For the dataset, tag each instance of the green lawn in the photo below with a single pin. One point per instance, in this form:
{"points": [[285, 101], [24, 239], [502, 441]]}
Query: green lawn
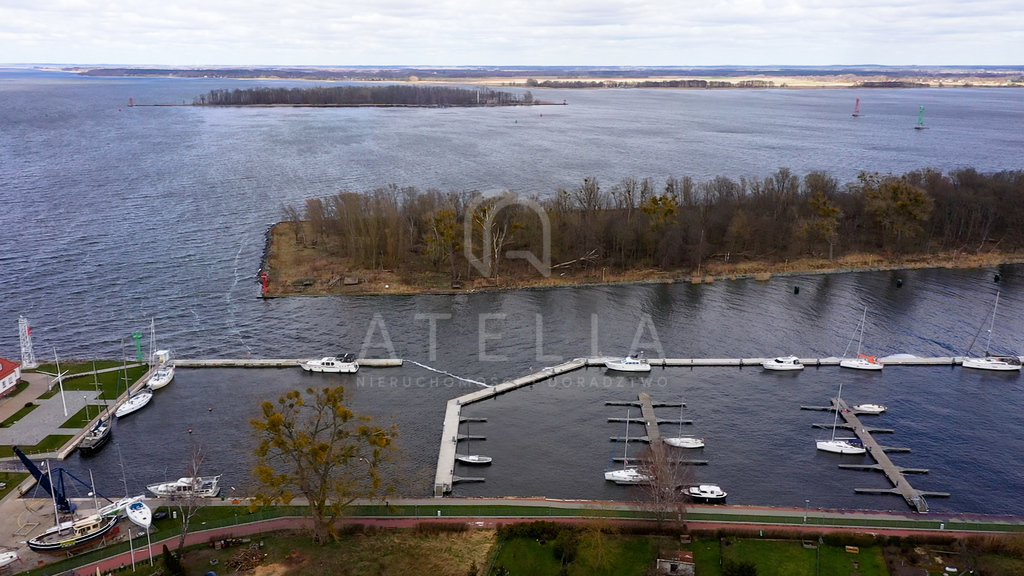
{"points": [[49, 444], [81, 418], [76, 367], [609, 555], [112, 384], [12, 479], [18, 415], [790, 558]]}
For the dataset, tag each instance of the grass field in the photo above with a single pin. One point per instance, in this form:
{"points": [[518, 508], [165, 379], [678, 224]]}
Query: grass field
{"points": [[48, 444], [111, 383], [73, 368]]}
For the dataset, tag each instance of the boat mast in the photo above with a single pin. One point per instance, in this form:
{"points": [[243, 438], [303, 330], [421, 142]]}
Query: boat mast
{"points": [[863, 318], [625, 449], [835, 420], [992, 324]]}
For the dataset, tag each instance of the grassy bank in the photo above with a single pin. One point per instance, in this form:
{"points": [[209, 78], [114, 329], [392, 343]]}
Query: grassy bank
{"points": [[110, 384], [48, 444], [297, 269]]}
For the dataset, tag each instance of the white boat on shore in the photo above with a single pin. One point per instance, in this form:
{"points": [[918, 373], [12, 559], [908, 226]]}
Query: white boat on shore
{"points": [[200, 486], [119, 506], [140, 514], [344, 364], [8, 557], [783, 364], [135, 402], [634, 363]]}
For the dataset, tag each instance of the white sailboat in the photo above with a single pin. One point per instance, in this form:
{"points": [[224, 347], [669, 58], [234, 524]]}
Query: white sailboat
{"points": [[161, 359], [681, 441], [628, 475], [862, 361], [475, 459], [8, 557], [1005, 363], [134, 402], [870, 408], [841, 445]]}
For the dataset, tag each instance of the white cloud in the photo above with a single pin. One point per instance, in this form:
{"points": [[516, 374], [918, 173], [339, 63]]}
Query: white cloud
{"points": [[557, 32]]}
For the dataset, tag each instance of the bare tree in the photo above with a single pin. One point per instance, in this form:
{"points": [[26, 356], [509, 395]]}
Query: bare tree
{"points": [[663, 497], [189, 504]]}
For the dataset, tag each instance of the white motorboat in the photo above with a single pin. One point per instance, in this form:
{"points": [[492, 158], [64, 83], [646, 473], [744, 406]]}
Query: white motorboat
{"points": [[634, 363], [783, 363], [134, 402], [344, 364], [681, 441], [475, 459], [201, 487], [685, 442], [8, 557], [861, 361], [629, 476], [1000, 363], [840, 445], [140, 514], [869, 408], [706, 494]]}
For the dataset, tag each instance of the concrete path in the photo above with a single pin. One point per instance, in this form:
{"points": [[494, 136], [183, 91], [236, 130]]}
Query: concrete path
{"points": [[47, 418], [37, 385]]}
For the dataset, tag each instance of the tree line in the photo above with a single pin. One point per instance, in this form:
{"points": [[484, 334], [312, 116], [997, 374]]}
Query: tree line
{"points": [[681, 223], [362, 95], [650, 84]]}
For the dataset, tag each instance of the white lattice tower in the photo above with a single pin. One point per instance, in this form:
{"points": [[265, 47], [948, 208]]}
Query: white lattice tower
{"points": [[28, 357]]}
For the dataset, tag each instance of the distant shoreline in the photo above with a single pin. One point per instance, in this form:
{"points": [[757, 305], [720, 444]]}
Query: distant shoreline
{"points": [[572, 78]]}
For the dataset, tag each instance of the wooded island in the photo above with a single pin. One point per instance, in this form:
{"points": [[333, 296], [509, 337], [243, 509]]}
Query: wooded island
{"points": [[363, 95], [398, 239]]}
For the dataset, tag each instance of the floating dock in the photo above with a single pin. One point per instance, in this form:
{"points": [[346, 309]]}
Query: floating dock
{"points": [[895, 474], [273, 362]]}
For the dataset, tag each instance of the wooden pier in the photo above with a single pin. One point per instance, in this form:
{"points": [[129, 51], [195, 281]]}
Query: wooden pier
{"points": [[445, 477], [895, 474]]}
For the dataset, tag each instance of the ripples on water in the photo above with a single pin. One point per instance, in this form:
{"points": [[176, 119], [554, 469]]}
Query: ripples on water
{"points": [[142, 213]]}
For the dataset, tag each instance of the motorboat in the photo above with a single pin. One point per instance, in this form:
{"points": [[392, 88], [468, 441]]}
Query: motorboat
{"points": [[998, 363], [629, 476], [685, 442], [840, 445], [134, 402], [861, 361], [869, 408], [706, 494], [8, 557], [200, 487], [139, 514], [344, 364], [634, 363], [1001, 363], [96, 438], [783, 363], [73, 533]]}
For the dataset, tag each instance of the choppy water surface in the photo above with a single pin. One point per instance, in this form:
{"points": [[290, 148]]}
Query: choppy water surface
{"points": [[127, 214]]}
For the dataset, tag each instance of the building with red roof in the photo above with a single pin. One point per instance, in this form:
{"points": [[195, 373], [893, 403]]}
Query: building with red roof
{"points": [[10, 373]]}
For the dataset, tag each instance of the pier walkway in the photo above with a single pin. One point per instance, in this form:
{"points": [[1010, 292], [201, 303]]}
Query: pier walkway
{"points": [[273, 362], [895, 474]]}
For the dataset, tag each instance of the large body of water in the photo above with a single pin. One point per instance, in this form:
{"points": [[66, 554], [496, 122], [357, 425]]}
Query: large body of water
{"points": [[115, 215]]}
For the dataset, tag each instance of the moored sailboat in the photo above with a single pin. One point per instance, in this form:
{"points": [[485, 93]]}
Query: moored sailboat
{"points": [[840, 445], [1001, 363]]}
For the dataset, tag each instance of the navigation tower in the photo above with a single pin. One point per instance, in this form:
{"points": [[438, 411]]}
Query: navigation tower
{"points": [[28, 357]]}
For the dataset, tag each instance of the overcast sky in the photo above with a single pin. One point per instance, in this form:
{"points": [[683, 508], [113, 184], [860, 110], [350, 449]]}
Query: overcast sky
{"points": [[524, 32]]}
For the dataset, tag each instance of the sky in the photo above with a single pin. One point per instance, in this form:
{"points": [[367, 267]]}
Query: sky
{"points": [[512, 32]]}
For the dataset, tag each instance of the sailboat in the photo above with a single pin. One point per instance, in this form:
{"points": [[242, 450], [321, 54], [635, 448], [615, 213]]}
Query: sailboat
{"points": [[161, 359], [98, 437], [862, 361], [629, 475], [69, 533], [842, 445], [681, 441], [989, 362], [920, 120], [856, 108], [8, 557], [135, 401], [472, 458]]}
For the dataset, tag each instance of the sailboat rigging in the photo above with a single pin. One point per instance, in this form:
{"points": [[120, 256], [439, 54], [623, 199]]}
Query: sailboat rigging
{"points": [[861, 361], [1004, 363], [842, 445], [681, 441], [856, 108], [628, 475], [471, 458]]}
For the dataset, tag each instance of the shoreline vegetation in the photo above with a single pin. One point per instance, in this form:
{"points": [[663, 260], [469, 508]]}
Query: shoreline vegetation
{"points": [[362, 95], [397, 240], [571, 77]]}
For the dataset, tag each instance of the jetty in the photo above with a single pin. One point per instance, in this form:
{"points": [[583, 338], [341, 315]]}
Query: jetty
{"points": [[895, 474]]}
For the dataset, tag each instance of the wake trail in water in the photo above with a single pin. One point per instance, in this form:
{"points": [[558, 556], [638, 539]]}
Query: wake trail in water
{"points": [[446, 373]]}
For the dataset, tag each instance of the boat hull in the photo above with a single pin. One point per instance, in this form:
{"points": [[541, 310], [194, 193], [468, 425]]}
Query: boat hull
{"points": [[993, 364], [627, 477], [161, 378], [708, 495], [869, 408], [860, 364], [474, 459], [339, 368], [92, 444], [840, 447], [135, 403], [685, 442], [50, 541]]}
